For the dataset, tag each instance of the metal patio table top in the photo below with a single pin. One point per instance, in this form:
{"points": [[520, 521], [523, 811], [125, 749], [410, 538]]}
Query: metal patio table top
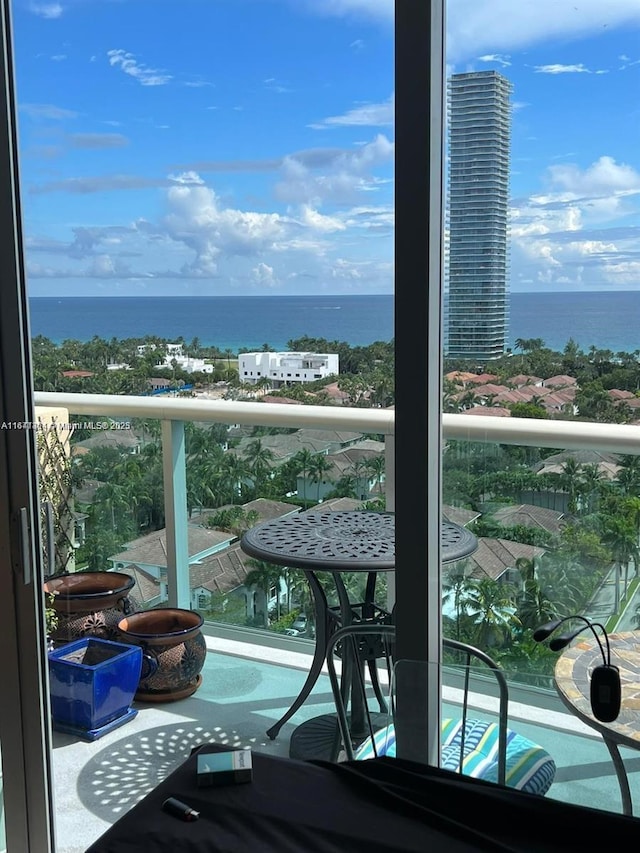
{"points": [[355, 541]]}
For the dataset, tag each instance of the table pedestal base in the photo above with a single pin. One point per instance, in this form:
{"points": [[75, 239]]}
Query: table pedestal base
{"points": [[320, 739]]}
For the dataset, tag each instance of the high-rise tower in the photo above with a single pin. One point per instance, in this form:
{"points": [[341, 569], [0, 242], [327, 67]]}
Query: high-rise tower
{"points": [[478, 199]]}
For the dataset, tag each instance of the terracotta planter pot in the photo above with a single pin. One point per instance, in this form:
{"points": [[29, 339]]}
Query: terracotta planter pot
{"points": [[172, 637], [90, 604]]}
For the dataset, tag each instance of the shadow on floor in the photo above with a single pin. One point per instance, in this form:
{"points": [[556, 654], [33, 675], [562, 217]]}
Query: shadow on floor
{"points": [[119, 776]]}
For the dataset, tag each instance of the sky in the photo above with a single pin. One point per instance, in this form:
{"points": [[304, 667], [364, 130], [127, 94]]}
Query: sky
{"points": [[245, 147]]}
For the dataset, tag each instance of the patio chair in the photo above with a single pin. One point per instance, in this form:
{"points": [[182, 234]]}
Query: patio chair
{"points": [[474, 747]]}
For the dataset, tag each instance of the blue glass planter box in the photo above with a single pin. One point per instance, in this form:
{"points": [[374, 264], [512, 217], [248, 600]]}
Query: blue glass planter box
{"points": [[92, 683]]}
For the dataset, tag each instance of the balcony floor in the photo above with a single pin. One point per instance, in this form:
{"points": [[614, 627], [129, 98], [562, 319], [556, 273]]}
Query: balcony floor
{"points": [[245, 689]]}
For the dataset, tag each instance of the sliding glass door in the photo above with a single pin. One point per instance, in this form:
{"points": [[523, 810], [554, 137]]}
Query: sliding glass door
{"points": [[24, 727]]}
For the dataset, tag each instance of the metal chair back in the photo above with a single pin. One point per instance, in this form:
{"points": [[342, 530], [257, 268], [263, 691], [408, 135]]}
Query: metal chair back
{"points": [[353, 638]]}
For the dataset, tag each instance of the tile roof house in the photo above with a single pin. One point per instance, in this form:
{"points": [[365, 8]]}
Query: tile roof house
{"points": [[630, 402], [523, 379], [335, 394], [460, 377], [496, 559], [219, 573], [559, 401], [514, 396], [215, 566], [482, 379], [286, 446], [489, 389], [488, 411], [337, 505], [528, 515], [607, 462], [560, 381], [150, 551], [77, 374], [122, 439], [265, 509], [283, 401], [147, 590], [459, 515], [349, 461]]}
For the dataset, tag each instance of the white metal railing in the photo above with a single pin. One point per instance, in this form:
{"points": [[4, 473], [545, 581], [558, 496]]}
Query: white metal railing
{"points": [[173, 412], [569, 435]]}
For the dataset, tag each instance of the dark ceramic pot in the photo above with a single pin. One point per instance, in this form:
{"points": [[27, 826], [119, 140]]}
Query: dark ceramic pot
{"points": [[89, 604], [173, 638]]}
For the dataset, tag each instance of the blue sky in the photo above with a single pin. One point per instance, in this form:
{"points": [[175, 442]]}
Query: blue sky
{"points": [[246, 146]]}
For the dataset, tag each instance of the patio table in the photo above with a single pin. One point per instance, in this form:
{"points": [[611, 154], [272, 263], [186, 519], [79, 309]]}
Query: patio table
{"points": [[573, 678], [337, 542]]}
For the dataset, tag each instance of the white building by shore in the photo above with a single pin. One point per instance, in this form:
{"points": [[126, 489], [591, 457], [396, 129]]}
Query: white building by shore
{"points": [[285, 368]]}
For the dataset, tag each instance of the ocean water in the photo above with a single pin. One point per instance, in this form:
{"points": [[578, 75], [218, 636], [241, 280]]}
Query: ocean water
{"points": [[606, 320], [222, 321]]}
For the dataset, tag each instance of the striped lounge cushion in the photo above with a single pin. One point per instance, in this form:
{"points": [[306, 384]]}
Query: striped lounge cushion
{"points": [[529, 767]]}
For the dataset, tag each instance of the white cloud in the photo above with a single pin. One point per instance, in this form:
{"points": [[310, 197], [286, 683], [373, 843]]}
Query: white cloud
{"points": [[340, 177], [197, 219], [500, 26], [263, 274], [627, 62], [319, 222], [142, 73], [569, 234], [365, 115], [97, 141], [503, 26], [200, 238], [189, 177], [47, 111], [50, 11], [504, 61], [604, 177], [381, 10], [562, 69]]}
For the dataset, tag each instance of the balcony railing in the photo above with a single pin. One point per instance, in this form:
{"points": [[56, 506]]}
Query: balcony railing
{"points": [[174, 412]]}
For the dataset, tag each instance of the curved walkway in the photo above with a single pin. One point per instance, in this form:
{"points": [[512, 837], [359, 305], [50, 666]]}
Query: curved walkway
{"points": [[602, 605]]}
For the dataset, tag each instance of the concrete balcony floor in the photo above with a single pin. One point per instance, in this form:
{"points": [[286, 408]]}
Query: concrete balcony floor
{"points": [[245, 689]]}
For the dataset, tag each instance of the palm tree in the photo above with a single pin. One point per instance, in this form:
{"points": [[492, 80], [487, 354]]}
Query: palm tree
{"points": [[258, 459], [112, 497], [345, 487], [491, 607], [318, 468], [454, 589], [534, 607], [236, 470], [622, 540], [228, 352], [571, 481], [264, 576], [304, 458], [376, 466], [360, 472]]}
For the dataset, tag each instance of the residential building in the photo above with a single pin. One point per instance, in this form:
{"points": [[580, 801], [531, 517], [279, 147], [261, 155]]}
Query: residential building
{"points": [[286, 368], [478, 197], [185, 362]]}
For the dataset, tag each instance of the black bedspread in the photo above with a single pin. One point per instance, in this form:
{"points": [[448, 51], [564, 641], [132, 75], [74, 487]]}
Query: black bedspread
{"points": [[379, 806]]}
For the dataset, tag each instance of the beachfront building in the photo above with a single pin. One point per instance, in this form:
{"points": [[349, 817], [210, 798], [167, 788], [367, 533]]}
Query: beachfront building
{"points": [[286, 368], [478, 196], [186, 363]]}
